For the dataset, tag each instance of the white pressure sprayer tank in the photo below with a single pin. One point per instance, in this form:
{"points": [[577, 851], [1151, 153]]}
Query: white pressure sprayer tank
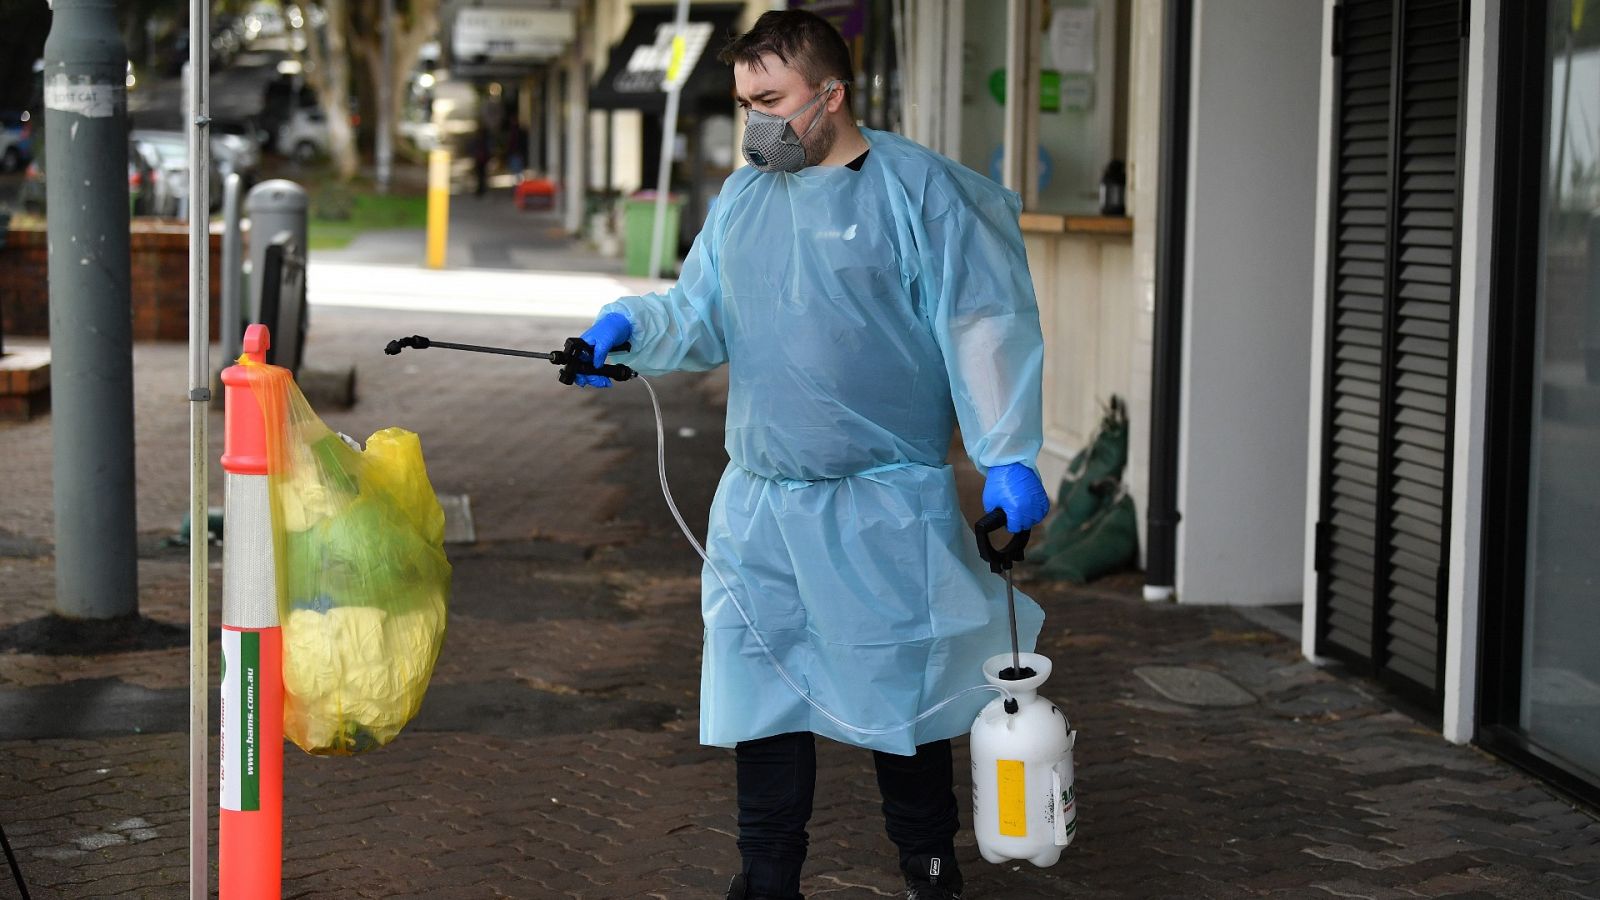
{"points": [[1023, 802]]}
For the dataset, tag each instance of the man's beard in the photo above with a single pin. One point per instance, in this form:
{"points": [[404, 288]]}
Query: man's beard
{"points": [[819, 143]]}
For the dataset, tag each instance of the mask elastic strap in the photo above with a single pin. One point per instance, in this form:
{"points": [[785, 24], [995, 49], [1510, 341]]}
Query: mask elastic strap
{"points": [[826, 89]]}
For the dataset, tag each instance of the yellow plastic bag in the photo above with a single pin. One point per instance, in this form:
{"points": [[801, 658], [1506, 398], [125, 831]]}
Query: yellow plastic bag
{"points": [[363, 582]]}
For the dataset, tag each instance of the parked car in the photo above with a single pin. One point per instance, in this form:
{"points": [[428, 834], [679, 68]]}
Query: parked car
{"points": [[304, 136], [144, 182], [171, 170], [279, 100], [143, 166], [31, 196], [16, 140], [236, 148], [264, 20]]}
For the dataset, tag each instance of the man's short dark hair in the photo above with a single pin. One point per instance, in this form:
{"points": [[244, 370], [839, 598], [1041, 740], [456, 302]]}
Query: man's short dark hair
{"points": [[803, 40]]}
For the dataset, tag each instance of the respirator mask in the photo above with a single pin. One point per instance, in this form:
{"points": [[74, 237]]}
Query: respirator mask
{"points": [[770, 142]]}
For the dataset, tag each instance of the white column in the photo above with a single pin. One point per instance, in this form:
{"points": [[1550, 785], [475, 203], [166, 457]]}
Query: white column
{"points": [[576, 182], [1465, 590]]}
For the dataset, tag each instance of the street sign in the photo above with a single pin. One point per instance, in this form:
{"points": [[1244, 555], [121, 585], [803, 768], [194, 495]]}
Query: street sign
{"points": [[666, 64]]}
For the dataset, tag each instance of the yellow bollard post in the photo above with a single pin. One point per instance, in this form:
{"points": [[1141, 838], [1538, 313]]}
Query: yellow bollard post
{"points": [[438, 206]]}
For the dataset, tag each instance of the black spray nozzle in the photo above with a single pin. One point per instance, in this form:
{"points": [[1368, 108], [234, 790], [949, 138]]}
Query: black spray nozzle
{"points": [[416, 340]]}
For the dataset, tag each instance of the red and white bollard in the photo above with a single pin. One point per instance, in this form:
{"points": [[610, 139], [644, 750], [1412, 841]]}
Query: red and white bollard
{"points": [[250, 830]]}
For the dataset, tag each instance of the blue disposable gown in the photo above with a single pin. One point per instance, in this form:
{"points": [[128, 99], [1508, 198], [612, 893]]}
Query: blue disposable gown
{"points": [[861, 314]]}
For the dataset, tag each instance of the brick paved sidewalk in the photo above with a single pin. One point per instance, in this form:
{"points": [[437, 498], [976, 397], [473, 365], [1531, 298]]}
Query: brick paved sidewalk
{"points": [[556, 755]]}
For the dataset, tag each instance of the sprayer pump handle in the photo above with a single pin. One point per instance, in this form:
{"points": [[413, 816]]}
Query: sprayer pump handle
{"points": [[1000, 559]]}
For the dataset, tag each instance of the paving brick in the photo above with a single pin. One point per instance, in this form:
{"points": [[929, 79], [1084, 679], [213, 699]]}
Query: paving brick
{"points": [[581, 590]]}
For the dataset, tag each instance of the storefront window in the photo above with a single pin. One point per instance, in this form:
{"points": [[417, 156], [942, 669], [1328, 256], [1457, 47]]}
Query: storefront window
{"points": [[1082, 63], [1560, 667], [868, 28], [1080, 70], [983, 109]]}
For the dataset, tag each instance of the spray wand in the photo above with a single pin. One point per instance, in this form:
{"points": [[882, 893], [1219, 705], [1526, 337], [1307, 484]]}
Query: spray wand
{"points": [[576, 358]]}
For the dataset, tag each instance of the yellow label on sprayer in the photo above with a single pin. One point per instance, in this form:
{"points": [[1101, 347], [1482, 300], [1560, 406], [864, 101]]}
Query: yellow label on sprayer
{"points": [[1011, 784]]}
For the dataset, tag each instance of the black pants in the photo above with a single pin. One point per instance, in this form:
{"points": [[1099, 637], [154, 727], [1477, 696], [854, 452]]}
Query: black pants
{"points": [[777, 776]]}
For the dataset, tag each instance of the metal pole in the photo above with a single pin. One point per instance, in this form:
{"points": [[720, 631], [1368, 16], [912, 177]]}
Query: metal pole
{"points": [[199, 113], [1166, 376], [663, 184], [232, 267], [385, 144], [1012, 170], [91, 322], [669, 132]]}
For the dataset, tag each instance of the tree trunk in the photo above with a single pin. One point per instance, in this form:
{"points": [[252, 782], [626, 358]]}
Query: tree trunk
{"points": [[329, 76], [415, 23], [341, 44]]}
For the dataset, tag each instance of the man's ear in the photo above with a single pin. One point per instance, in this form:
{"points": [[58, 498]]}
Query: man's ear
{"points": [[836, 97]]}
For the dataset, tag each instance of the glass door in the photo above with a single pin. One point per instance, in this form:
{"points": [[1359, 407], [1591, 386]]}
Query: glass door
{"points": [[1560, 672], [1541, 697]]}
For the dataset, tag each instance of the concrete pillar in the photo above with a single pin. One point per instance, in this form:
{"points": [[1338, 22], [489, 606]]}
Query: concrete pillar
{"points": [[576, 187]]}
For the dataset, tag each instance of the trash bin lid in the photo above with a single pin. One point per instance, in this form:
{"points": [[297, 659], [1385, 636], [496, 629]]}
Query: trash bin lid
{"points": [[274, 195]]}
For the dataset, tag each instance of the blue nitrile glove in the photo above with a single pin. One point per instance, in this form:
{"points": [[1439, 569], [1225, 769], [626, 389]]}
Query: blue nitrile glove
{"points": [[1016, 489], [608, 331]]}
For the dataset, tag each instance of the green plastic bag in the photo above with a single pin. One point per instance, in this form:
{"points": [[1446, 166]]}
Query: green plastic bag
{"points": [[363, 582], [1108, 541]]}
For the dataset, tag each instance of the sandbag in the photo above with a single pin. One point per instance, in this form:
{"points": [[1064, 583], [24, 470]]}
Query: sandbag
{"points": [[1107, 542], [1092, 476]]}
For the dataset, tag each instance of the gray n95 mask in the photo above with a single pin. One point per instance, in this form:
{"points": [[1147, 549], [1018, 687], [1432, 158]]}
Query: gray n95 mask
{"points": [[770, 142]]}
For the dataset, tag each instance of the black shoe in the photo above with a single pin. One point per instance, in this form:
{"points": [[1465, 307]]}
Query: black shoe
{"points": [[738, 890], [932, 878], [918, 889]]}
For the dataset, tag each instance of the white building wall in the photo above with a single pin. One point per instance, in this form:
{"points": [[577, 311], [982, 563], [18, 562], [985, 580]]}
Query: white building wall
{"points": [[1247, 320]]}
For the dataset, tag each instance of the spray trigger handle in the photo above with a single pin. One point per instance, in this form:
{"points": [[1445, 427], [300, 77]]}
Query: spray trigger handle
{"points": [[1001, 559], [577, 358]]}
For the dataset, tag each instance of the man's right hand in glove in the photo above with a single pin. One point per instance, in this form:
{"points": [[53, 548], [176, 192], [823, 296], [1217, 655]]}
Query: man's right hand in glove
{"points": [[609, 331], [1016, 488]]}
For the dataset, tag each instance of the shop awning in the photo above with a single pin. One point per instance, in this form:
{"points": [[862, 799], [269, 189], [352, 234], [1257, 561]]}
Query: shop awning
{"points": [[632, 79], [506, 41]]}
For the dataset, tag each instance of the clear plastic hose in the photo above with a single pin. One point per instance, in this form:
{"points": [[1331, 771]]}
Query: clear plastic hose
{"points": [[666, 492]]}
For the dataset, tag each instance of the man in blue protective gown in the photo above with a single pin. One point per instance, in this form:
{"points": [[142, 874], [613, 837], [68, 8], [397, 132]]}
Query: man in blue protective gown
{"points": [[867, 295]]}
